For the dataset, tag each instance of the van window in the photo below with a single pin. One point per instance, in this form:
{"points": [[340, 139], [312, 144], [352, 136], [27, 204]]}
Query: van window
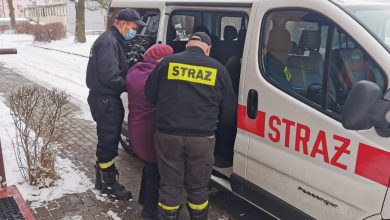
{"points": [[182, 23], [146, 36], [293, 55], [349, 64], [184, 26], [227, 45]]}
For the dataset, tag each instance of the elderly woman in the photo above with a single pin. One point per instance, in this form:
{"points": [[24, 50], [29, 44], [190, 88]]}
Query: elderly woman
{"points": [[142, 128]]}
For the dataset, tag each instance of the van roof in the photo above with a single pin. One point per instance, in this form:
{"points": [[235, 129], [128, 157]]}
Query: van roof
{"points": [[117, 3], [212, 1], [361, 2]]}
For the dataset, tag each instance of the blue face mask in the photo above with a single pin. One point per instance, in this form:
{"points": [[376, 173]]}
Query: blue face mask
{"points": [[130, 35]]}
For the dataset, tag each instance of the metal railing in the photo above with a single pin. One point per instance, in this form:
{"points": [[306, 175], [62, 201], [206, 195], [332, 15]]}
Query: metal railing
{"points": [[6, 51], [3, 181]]}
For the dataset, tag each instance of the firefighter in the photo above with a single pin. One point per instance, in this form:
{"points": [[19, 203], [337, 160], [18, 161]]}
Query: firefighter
{"points": [[106, 70], [191, 93]]}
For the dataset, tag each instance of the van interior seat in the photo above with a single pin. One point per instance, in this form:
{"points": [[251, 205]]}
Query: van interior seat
{"points": [[355, 68], [240, 43], [233, 64], [307, 66], [341, 59], [228, 46]]}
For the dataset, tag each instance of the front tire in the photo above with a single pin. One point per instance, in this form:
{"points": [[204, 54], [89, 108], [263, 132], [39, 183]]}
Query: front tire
{"points": [[125, 141]]}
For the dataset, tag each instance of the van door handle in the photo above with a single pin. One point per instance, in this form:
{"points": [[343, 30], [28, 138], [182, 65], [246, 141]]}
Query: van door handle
{"points": [[252, 103]]}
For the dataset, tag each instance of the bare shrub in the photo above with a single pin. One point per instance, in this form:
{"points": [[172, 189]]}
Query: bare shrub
{"points": [[40, 116], [49, 32], [25, 28]]}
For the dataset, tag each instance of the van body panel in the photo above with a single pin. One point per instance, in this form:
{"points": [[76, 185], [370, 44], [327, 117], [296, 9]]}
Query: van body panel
{"points": [[138, 4], [310, 183], [212, 4], [241, 144], [268, 202]]}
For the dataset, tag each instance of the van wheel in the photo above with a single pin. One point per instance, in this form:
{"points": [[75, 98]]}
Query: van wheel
{"points": [[125, 143]]}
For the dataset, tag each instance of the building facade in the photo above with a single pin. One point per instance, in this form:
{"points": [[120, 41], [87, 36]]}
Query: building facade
{"points": [[55, 11], [19, 5]]}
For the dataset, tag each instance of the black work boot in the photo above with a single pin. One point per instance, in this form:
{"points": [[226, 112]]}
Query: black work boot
{"points": [[168, 214], [98, 177], [111, 186], [198, 214]]}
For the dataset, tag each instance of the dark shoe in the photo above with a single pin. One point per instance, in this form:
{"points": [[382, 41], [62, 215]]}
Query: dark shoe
{"points": [[98, 178], [198, 214], [149, 214], [111, 186], [149, 187], [141, 195], [168, 215], [222, 162]]}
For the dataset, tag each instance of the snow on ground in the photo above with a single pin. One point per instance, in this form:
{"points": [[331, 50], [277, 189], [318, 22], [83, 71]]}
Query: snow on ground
{"points": [[77, 217], [113, 215], [67, 44], [71, 180], [51, 68]]}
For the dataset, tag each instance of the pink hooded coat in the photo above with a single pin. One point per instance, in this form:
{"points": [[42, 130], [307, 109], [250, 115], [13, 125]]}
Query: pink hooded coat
{"points": [[141, 112]]}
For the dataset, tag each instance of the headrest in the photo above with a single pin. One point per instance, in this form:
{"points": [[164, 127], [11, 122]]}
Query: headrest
{"points": [[279, 40], [230, 33], [357, 55], [310, 39]]}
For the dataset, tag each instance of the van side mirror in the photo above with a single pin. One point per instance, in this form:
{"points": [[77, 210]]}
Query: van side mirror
{"points": [[380, 115], [365, 108]]}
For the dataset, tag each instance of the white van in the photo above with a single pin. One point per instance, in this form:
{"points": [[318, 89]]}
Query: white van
{"points": [[293, 64]]}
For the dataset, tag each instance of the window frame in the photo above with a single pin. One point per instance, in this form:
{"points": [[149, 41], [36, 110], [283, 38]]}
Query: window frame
{"points": [[322, 107], [112, 12]]}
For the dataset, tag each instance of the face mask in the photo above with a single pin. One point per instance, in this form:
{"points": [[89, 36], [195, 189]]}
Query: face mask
{"points": [[130, 35]]}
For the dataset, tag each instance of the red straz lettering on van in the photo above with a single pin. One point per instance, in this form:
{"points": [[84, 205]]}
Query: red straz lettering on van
{"points": [[374, 164], [371, 163]]}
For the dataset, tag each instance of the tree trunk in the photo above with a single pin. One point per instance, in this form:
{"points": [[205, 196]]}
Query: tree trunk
{"points": [[80, 21], [11, 14]]}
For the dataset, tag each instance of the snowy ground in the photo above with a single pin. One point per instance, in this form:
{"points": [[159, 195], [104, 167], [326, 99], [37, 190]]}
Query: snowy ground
{"points": [[52, 69]]}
